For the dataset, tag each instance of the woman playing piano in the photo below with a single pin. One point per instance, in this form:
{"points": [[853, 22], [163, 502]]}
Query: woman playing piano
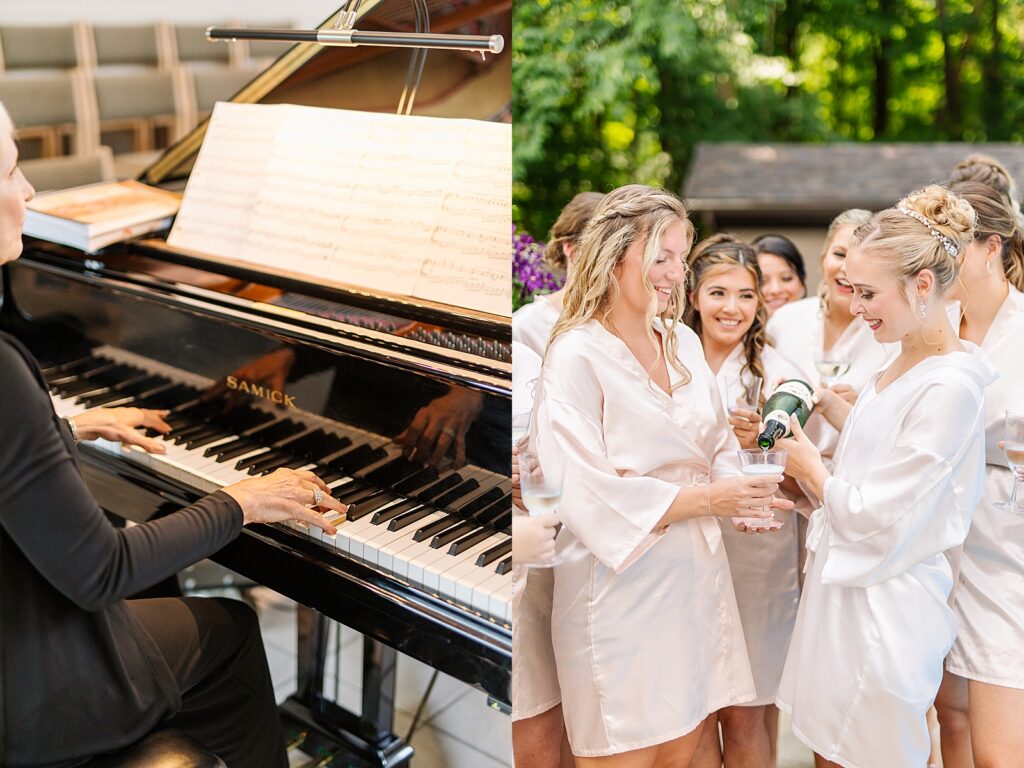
{"points": [[645, 627], [84, 670]]}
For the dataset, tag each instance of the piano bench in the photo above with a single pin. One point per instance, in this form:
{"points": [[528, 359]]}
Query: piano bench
{"points": [[163, 749]]}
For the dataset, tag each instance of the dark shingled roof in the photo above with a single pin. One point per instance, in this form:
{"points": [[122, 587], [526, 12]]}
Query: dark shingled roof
{"points": [[814, 180]]}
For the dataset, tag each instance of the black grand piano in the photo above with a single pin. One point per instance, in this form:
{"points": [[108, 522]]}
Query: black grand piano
{"points": [[401, 405]]}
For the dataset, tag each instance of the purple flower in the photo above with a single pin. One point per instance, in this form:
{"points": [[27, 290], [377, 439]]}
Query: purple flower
{"points": [[530, 275]]}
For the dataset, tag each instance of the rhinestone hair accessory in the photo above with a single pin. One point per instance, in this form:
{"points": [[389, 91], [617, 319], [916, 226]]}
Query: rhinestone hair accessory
{"points": [[951, 249]]}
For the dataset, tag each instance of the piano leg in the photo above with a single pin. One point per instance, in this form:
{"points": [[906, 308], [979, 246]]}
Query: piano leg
{"points": [[367, 737]]}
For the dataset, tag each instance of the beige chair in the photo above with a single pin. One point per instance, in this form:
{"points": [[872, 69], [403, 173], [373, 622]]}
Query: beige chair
{"points": [[128, 46], [51, 110], [213, 84], [193, 49], [144, 103], [70, 171], [43, 47]]}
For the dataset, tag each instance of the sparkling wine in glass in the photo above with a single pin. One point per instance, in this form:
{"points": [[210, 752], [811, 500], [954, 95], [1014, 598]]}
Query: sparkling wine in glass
{"points": [[755, 462], [831, 369], [1013, 447], [541, 485]]}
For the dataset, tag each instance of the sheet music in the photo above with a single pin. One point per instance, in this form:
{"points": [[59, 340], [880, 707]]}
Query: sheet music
{"points": [[409, 205]]}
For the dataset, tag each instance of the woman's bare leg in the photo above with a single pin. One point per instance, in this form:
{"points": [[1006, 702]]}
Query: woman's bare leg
{"points": [[954, 724], [744, 737], [996, 733], [672, 754], [537, 741], [709, 749], [771, 721]]}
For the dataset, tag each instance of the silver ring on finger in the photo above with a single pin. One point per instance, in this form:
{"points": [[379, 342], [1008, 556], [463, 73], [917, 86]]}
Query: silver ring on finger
{"points": [[448, 431], [318, 497]]}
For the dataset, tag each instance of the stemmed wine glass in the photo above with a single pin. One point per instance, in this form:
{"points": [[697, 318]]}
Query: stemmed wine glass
{"points": [[1013, 447], [831, 369], [754, 462]]}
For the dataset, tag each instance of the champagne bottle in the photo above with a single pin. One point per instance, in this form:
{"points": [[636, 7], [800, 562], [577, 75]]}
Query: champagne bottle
{"points": [[792, 396]]}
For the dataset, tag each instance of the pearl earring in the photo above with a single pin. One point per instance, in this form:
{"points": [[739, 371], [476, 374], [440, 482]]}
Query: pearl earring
{"points": [[921, 308]]}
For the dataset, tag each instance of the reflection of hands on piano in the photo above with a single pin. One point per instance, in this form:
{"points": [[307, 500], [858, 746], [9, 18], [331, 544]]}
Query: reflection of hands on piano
{"points": [[121, 425], [439, 428], [270, 371], [288, 494]]}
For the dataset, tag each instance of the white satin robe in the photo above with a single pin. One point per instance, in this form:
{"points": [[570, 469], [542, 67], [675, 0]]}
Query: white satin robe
{"points": [[989, 598], [874, 625], [534, 680], [646, 631], [797, 331], [764, 567], [532, 324]]}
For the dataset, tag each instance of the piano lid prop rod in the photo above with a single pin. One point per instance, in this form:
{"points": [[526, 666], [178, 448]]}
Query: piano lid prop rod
{"points": [[350, 37]]}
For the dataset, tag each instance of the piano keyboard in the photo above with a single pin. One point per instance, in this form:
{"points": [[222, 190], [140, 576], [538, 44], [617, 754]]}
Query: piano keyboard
{"points": [[446, 532]]}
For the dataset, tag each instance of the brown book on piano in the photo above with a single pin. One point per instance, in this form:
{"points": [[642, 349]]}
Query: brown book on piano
{"points": [[96, 215]]}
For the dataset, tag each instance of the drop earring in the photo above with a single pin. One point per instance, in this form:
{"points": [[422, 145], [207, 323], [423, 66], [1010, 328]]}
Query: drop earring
{"points": [[921, 308], [988, 266]]}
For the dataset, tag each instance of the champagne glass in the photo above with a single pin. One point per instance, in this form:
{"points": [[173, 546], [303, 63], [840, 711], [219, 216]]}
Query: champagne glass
{"points": [[754, 462], [1013, 447], [831, 369], [743, 394], [541, 485]]}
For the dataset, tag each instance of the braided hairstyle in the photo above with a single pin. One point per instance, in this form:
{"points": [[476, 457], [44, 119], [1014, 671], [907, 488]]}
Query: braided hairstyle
{"points": [[723, 253], [568, 227], [996, 215], [624, 216]]}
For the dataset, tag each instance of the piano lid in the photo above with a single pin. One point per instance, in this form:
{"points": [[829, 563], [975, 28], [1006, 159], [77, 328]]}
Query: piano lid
{"points": [[454, 84]]}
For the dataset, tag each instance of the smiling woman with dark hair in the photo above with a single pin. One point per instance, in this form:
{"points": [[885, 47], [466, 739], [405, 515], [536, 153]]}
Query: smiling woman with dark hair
{"points": [[84, 670]]}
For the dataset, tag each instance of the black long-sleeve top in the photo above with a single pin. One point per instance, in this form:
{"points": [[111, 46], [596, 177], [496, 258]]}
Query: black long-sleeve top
{"points": [[77, 674]]}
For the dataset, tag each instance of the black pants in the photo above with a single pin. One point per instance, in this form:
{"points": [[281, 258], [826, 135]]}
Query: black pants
{"points": [[215, 651]]}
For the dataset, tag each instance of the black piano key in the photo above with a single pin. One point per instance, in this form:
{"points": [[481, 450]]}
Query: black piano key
{"points": [[392, 472], [362, 509], [276, 432], [444, 484], [71, 366], [450, 535], [494, 512], [420, 479], [480, 503], [101, 364], [263, 460], [356, 495], [498, 551], [456, 493], [167, 399], [199, 442], [434, 528], [293, 463], [408, 518], [469, 541], [358, 458], [328, 475], [312, 445], [504, 566], [385, 515], [229, 451], [184, 434], [246, 419]]}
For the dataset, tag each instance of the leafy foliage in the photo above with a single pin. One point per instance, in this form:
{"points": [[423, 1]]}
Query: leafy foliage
{"points": [[608, 92]]}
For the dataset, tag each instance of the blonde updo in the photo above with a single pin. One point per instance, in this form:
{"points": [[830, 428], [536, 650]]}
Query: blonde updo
{"points": [[624, 216], [910, 245]]}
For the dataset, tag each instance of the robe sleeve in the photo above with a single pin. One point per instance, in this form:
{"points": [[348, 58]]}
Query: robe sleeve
{"points": [[611, 514], [915, 502]]}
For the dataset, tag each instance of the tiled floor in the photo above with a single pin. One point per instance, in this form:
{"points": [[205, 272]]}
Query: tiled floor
{"points": [[456, 730]]}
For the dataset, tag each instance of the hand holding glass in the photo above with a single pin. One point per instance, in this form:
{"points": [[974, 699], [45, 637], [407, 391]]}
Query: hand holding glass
{"points": [[755, 462], [541, 485], [1013, 447]]}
